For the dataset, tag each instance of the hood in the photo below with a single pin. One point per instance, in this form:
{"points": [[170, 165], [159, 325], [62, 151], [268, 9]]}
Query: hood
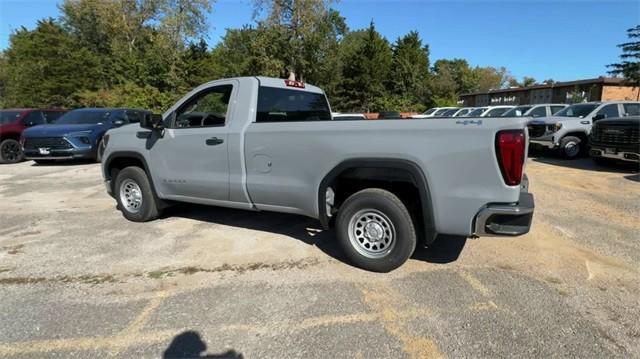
{"points": [[61, 130], [624, 121], [553, 119]]}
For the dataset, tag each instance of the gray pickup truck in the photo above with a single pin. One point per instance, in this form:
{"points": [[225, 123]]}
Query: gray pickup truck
{"points": [[269, 144]]}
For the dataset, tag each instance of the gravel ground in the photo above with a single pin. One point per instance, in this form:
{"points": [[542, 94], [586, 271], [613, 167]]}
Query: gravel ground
{"points": [[78, 280]]}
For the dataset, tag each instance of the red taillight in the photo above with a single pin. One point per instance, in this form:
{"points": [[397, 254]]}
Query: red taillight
{"points": [[510, 147]]}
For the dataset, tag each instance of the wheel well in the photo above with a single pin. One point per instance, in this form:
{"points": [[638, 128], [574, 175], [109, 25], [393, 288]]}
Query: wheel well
{"points": [[12, 136], [581, 135], [403, 179], [117, 164]]}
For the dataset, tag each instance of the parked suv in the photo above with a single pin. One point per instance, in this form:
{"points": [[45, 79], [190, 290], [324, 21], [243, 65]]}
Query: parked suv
{"points": [[77, 134], [13, 122], [489, 111], [568, 130], [540, 110], [616, 138]]}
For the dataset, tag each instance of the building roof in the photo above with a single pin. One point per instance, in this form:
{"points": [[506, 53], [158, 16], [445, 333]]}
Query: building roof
{"points": [[596, 81]]}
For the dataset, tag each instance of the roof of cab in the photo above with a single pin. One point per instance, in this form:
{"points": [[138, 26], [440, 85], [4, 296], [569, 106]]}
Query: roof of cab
{"points": [[281, 83]]}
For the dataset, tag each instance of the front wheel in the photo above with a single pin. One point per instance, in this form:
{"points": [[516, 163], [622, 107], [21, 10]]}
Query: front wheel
{"points": [[134, 195], [375, 230], [100, 151], [10, 151], [571, 147]]}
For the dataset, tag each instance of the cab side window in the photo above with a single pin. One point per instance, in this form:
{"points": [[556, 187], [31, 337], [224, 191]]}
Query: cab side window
{"points": [[631, 109], [539, 112], [609, 111], [34, 118], [206, 109], [555, 109]]}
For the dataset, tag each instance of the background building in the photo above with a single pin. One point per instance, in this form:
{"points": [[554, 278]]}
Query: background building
{"points": [[598, 89]]}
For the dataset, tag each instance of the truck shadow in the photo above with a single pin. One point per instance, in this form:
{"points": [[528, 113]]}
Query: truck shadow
{"points": [[445, 249], [588, 165]]}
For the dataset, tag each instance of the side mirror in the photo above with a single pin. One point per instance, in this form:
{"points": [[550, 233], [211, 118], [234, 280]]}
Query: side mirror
{"points": [[152, 122], [118, 122], [598, 117]]}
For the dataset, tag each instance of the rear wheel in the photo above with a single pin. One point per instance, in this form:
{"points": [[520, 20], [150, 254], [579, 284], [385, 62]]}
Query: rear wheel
{"points": [[375, 230], [10, 151], [571, 147], [134, 195]]}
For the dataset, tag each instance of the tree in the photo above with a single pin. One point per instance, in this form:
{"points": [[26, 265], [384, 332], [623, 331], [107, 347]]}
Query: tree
{"points": [[410, 71], [489, 78], [528, 81], [45, 67], [3, 79], [308, 34], [366, 64], [629, 66]]}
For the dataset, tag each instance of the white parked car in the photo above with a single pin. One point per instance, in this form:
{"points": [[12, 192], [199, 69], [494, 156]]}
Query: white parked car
{"points": [[433, 112], [337, 116], [489, 111], [540, 110]]}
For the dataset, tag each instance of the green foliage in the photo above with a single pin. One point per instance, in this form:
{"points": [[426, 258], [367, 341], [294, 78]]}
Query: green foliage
{"points": [[629, 66], [45, 67], [148, 53]]}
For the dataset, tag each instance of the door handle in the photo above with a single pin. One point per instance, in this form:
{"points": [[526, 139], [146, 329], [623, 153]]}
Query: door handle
{"points": [[214, 141]]}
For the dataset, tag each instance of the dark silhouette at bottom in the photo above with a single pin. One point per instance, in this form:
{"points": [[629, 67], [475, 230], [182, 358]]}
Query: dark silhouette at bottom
{"points": [[189, 345]]}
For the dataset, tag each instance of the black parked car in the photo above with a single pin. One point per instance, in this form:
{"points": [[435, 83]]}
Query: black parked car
{"points": [[616, 139], [387, 115]]}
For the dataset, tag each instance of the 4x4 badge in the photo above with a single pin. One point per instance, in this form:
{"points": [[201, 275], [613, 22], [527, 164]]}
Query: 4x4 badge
{"points": [[469, 122]]}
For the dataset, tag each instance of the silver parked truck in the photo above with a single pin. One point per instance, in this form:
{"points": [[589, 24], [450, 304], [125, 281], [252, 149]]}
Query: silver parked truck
{"points": [[268, 144]]}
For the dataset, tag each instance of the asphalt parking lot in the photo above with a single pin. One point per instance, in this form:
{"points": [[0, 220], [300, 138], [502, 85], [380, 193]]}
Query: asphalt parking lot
{"points": [[78, 280]]}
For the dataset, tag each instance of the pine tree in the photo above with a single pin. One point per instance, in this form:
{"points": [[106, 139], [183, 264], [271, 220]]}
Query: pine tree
{"points": [[629, 67]]}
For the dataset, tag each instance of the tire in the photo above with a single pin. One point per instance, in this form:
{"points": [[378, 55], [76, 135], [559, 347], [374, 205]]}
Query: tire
{"points": [[571, 147], [100, 151], [379, 213], [134, 195], [10, 151]]}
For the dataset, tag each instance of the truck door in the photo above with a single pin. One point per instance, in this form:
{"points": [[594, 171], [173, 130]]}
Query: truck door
{"points": [[191, 159]]}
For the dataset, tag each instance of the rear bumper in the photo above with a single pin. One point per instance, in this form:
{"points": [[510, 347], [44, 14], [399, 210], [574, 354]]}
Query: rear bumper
{"points": [[510, 219]]}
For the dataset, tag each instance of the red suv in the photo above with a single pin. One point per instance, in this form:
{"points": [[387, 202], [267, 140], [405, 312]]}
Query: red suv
{"points": [[13, 122]]}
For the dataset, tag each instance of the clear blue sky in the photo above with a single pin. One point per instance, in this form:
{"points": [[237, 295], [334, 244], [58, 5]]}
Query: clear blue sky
{"points": [[563, 40]]}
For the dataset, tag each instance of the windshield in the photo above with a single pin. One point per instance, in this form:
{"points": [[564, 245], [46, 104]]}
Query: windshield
{"points": [[449, 113], [430, 111], [8, 117], [580, 111], [83, 117], [496, 112], [477, 112], [516, 111]]}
